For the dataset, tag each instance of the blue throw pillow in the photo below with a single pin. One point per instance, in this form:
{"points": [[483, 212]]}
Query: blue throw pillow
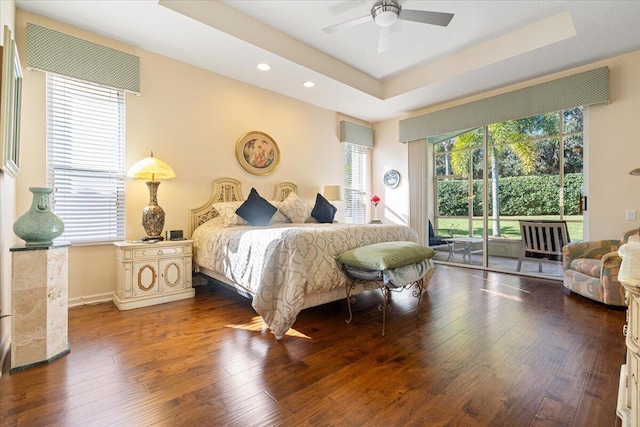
{"points": [[256, 210], [323, 211]]}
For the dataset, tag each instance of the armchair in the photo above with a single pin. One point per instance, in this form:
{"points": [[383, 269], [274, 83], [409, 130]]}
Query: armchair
{"points": [[591, 269]]}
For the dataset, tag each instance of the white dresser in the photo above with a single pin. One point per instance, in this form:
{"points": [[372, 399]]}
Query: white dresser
{"points": [[628, 408], [152, 273]]}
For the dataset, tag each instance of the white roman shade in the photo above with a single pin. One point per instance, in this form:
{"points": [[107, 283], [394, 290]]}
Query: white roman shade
{"points": [[587, 88], [356, 134], [62, 54]]}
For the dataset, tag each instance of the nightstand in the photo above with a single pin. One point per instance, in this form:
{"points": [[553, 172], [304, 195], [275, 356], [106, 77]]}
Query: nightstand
{"points": [[152, 273]]}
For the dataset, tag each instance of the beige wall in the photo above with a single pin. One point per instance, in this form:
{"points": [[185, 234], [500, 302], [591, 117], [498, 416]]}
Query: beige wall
{"points": [[612, 149], [390, 154], [191, 119]]}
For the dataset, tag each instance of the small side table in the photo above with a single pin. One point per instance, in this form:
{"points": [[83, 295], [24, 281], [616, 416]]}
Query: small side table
{"points": [[152, 273], [39, 301]]}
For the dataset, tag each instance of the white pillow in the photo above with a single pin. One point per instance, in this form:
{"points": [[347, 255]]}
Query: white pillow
{"points": [[278, 216], [227, 210], [295, 209]]}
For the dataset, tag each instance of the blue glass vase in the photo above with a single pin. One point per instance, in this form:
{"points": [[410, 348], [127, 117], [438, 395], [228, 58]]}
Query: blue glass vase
{"points": [[39, 226]]}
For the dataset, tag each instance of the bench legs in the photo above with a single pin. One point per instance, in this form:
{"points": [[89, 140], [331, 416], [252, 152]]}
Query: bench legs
{"points": [[419, 287]]}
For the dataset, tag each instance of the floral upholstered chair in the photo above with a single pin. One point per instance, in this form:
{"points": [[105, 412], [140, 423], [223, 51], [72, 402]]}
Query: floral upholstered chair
{"points": [[591, 269]]}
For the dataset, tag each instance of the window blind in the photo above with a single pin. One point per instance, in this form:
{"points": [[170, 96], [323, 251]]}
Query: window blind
{"points": [[418, 188], [85, 158], [355, 183]]}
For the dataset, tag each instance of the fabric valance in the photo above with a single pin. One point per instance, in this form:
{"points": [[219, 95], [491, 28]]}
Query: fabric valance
{"points": [[356, 134], [60, 53], [587, 88]]}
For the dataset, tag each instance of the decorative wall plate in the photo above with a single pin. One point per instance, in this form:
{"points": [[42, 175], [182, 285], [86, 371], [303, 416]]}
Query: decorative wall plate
{"points": [[391, 178]]}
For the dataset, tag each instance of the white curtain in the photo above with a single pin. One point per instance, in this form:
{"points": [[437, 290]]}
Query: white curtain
{"points": [[418, 188]]}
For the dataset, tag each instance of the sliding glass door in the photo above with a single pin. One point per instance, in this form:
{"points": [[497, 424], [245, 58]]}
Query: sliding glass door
{"points": [[533, 171]]}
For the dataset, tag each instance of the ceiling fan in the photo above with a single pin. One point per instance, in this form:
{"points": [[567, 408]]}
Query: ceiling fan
{"points": [[385, 13]]}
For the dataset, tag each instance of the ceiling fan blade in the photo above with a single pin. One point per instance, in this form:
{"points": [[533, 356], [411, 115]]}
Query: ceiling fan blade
{"points": [[384, 39], [345, 6], [425, 17], [347, 24]]}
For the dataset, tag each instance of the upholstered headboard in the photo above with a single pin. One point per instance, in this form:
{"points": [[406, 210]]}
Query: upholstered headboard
{"points": [[229, 190]]}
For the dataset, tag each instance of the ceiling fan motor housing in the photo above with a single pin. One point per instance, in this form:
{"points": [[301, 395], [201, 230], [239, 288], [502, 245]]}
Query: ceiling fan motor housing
{"points": [[385, 12]]}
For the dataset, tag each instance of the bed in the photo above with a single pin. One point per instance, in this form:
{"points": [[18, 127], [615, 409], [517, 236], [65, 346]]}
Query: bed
{"points": [[284, 267]]}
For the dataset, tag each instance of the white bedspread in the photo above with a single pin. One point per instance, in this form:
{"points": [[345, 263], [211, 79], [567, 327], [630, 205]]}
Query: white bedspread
{"points": [[281, 264]]}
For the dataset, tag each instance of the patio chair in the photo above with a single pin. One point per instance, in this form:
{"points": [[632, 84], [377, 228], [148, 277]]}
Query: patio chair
{"points": [[542, 240], [436, 241]]}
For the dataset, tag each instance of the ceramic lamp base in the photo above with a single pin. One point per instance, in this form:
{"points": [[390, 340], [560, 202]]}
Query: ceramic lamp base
{"points": [[153, 215]]}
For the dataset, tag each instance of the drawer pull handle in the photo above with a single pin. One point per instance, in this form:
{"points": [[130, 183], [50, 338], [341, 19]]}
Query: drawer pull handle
{"points": [[160, 252]]}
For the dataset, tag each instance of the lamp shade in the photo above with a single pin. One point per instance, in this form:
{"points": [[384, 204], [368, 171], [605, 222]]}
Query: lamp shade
{"points": [[151, 169], [332, 192]]}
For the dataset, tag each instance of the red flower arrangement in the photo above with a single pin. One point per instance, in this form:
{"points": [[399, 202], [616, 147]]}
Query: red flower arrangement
{"points": [[375, 200]]}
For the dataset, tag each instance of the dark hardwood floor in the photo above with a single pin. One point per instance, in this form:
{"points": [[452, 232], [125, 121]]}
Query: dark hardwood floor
{"points": [[490, 349]]}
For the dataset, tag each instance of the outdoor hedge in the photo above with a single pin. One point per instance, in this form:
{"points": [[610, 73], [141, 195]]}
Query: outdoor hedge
{"points": [[519, 196]]}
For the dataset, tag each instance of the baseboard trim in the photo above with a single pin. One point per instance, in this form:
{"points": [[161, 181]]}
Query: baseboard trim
{"points": [[90, 299]]}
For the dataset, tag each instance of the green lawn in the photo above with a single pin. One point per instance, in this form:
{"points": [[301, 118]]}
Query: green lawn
{"points": [[509, 226]]}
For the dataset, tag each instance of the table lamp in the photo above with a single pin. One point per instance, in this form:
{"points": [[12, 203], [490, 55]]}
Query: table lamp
{"points": [[152, 169], [332, 192]]}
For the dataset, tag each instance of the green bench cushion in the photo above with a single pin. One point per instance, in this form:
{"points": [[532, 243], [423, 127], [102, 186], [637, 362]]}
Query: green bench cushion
{"points": [[387, 255]]}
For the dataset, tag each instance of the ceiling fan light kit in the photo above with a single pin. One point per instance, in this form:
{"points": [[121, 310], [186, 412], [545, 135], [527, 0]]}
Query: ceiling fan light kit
{"points": [[385, 13]]}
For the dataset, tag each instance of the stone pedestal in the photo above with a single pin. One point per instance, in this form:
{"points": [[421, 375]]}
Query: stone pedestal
{"points": [[39, 300]]}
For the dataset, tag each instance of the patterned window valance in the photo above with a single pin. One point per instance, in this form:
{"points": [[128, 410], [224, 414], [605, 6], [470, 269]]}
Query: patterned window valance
{"points": [[587, 88], [356, 134], [60, 53]]}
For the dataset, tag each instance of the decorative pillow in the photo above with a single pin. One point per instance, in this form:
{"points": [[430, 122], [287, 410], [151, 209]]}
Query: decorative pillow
{"points": [[227, 210], [278, 216], [323, 211], [256, 210], [387, 255], [219, 220], [295, 209]]}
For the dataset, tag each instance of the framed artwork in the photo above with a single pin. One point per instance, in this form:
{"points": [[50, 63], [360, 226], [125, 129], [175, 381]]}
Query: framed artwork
{"points": [[257, 153], [391, 178], [10, 105]]}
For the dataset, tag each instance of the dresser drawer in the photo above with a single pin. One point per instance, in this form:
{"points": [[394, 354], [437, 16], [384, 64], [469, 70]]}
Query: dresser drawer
{"points": [[633, 322], [153, 252]]}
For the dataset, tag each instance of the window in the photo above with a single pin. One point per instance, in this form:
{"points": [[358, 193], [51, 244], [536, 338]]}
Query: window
{"points": [[85, 158], [355, 183], [534, 172]]}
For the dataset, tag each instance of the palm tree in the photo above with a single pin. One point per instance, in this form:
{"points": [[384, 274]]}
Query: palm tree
{"points": [[499, 135]]}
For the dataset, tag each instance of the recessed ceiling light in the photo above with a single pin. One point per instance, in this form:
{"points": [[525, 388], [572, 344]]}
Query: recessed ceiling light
{"points": [[308, 84], [264, 67]]}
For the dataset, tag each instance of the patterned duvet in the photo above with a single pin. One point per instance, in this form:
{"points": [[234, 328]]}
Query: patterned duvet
{"points": [[282, 264]]}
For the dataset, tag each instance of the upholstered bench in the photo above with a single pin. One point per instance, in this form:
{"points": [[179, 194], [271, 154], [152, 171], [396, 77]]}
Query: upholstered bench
{"points": [[388, 266]]}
